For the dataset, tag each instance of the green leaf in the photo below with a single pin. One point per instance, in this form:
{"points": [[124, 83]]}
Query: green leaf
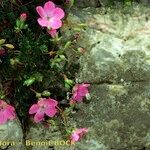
{"points": [[46, 93], [70, 82], [38, 95], [62, 57], [38, 77], [67, 45], [18, 23], [29, 81], [58, 60], [25, 26], [67, 85]]}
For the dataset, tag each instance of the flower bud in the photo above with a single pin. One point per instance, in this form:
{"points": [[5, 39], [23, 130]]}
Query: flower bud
{"points": [[23, 17], [46, 93], [9, 46], [52, 32], [2, 51], [72, 102], [2, 41]]}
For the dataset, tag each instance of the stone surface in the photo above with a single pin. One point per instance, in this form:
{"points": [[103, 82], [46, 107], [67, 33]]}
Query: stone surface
{"points": [[115, 60], [98, 3], [47, 138], [118, 117], [88, 3], [117, 45], [11, 136]]}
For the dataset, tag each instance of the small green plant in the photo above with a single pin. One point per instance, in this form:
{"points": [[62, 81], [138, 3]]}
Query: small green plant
{"points": [[35, 72]]}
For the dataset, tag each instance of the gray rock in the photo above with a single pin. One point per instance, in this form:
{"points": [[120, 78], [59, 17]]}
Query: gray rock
{"points": [[40, 137], [11, 136], [116, 63], [99, 3], [117, 45], [88, 3], [118, 117]]}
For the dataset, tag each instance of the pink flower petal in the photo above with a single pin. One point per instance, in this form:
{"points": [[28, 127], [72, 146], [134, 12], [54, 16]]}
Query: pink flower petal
{"points": [[75, 137], [52, 32], [51, 112], [34, 108], [52, 102], [54, 23], [10, 108], [3, 119], [42, 101], [75, 88], [58, 13], [41, 11], [80, 91], [43, 22], [39, 116], [9, 114], [78, 134], [82, 131], [47, 102], [2, 102], [49, 8], [86, 85], [76, 96]]}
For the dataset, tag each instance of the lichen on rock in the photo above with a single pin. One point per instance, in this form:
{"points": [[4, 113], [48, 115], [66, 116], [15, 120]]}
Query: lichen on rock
{"points": [[116, 64]]}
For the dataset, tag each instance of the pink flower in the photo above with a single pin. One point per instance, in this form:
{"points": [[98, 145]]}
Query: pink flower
{"points": [[78, 134], [23, 17], [50, 16], [80, 91], [43, 107], [52, 32], [7, 112]]}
